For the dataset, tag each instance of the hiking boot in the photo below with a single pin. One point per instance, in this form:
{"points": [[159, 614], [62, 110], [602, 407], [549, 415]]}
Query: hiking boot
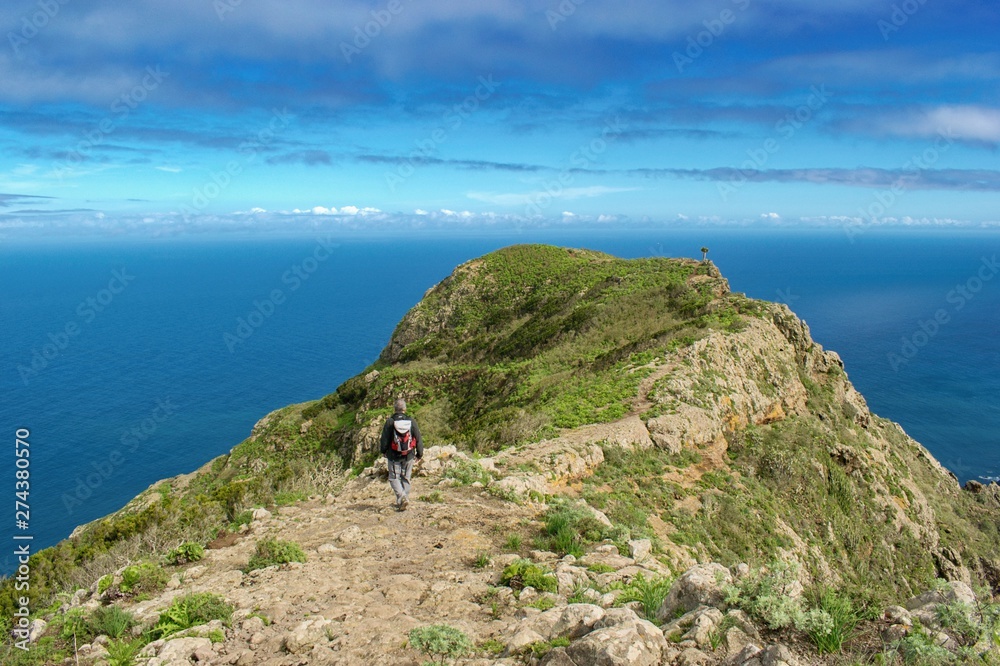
{"points": [[403, 504]]}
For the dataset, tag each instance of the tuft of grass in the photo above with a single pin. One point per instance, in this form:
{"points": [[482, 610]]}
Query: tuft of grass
{"points": [[124, 652], [434, 498], [513, 543], [569, 528], [482, 560], [649, 592], [274, 551], [111, 621]]}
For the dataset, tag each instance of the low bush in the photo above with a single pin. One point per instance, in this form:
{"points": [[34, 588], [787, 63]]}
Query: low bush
{"points": [[274, 551], [186, 552], [650, 592], [192, 610], [440, 641], [524, 573]]}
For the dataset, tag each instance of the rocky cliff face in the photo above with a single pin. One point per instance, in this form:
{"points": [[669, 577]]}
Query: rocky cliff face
{"points": [[626, 421]]}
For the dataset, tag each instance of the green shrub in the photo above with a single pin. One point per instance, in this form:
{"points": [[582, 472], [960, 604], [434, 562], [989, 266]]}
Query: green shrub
{"points": [[440, 641], [649, 592], [513, 543], [764, 595], [919, 649], [524, 573], [192, 610], [273, 551], [186, 552], [467, 472], [144, 578], [434, 498], [600, 568], [830, 623], [482, 560]]}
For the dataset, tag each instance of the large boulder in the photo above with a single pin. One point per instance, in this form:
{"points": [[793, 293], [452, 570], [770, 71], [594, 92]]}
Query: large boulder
{"points": [[701, 585], [633, 643]]}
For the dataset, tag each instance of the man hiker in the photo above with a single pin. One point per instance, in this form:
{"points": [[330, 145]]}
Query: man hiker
{"points": [[401, 444]]}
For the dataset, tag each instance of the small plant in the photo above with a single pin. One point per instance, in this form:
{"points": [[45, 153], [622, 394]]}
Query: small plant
{"points": [[482, 560], [434, 498], [186, 552], [513, 543], [649, 592], [491, 646], [830, 623], [524, 573], [274, 551], [124, 652], [568, 528], [144, 578], [217, 636], [111, 621], [104, 583], [286, 498], [506, 494], [600, 568], [543, 603], [467, 472], [440, 641], [190, 611]]}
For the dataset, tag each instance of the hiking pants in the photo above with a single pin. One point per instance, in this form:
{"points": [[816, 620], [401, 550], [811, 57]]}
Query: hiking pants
{"points": [[399, 476]]}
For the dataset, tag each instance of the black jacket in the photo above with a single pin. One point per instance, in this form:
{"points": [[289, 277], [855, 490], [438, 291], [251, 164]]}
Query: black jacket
{"points": [[386, 440]]}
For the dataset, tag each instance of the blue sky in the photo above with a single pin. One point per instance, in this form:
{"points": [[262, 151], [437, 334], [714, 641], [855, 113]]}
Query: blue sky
{"points": [[163, 117]]}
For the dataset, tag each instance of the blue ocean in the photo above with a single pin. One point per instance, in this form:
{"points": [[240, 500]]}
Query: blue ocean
{"points": [[127, 361]]}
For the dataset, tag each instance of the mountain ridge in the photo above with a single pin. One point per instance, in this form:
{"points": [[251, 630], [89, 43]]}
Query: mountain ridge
{"points": [[666, 407]]}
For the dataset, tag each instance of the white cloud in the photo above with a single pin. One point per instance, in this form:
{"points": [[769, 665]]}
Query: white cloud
{"points": [[770, 216], [961, 122], [323, 210], [420, 211], [525, 198], [169, 169]]}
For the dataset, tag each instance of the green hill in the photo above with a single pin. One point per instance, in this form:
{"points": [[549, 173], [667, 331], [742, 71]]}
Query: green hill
{"points": [[706, 421]]}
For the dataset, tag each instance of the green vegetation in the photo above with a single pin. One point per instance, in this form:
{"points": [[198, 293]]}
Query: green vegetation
{"points": [[192, 610], [143, 579], [274, 551], [569, 528], [440, 641], [186, 552], [433, 498], [467, 472], [649, 592], [524, 573]]}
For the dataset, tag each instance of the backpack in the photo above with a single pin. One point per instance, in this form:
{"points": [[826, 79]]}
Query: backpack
{"points": [[403, 441]]}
